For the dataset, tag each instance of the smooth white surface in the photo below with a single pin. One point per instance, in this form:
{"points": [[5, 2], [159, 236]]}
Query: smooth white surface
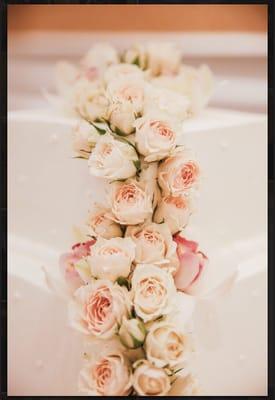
{"points": [[48, 192]]}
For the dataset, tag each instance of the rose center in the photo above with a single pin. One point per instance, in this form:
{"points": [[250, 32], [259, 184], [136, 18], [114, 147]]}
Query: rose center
{"points": [[178, 202]]}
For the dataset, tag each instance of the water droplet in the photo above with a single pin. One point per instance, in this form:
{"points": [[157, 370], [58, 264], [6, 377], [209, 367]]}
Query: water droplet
{"points": [[53, 139]]}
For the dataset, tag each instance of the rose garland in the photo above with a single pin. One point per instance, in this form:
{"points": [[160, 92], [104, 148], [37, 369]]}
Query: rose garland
{"points": [[133, 263]]}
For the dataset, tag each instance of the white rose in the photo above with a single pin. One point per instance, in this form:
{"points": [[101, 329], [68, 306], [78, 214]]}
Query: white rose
{"points": [[158, 58], [113, 159], [122, 116], [174, 211], [132, 333], [154, 245], [101, 56], [148, 177], [163, 58], [108, 374], [155, 139], [101, 225], [123, 70], [196, 84], [85, 137], [185, 386], [130, 203], [167, 103], [149, 380], [98, 308], [89, 100], [112, 258], [127, 90], [153, 291], [137, 55], [167, 345], [179, 173]]}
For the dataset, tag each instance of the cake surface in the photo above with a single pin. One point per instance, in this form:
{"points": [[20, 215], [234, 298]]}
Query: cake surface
{"points": [[49, 192]]}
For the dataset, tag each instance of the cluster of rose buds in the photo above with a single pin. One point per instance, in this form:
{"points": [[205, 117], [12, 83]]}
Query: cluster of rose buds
{"points": [[126, 277]]}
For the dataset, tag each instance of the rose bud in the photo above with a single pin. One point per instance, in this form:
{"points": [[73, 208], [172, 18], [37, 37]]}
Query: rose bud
{"points": [[85, 137], [149, 380], [122, 116], [113, 159], [191, 265], [132, 333]]}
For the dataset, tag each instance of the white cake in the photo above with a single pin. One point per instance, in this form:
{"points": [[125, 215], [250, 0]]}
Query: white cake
{"points": [[48, 192]]}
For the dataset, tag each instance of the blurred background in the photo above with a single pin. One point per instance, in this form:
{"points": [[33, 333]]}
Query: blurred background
{"points": [[231, 39]]}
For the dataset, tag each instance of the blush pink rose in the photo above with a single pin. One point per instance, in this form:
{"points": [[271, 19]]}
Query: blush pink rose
{"points": [[106, 375], [67, 263], [178, 173], [98, 308], [192, 264], [91, 73]]}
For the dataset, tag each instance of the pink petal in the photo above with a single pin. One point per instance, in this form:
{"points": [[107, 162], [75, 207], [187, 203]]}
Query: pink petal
{"points": [[82, 249], [185, 245], [188, 272]]}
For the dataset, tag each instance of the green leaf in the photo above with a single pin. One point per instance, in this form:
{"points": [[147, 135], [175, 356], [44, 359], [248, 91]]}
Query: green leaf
{"points": [[123, 282], [133, 313], [99, 130], [137, 164], [177, 370], [136, 61], [142, 327], [81, 157], [136, 342], [119, 132]]}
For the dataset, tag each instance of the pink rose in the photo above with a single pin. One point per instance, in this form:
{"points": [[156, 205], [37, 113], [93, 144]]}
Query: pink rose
{"points": [[91, 73], [155, 139], [98, 308], [178, 173], [68, 260], [192, 265], [174, 211], [106, 375], [130, 202]]}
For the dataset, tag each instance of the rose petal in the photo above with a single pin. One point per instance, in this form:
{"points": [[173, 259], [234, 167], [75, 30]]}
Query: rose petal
{"points": [[188, 270]]}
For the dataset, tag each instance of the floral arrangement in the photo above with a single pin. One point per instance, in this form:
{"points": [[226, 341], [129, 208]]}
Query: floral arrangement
{"points": [[131, 276]]}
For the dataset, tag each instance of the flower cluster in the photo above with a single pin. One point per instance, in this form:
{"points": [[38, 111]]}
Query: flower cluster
{"points": [[126, 278]]}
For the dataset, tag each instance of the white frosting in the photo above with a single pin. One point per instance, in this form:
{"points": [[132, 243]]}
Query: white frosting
{"points": [[48, 193]]}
